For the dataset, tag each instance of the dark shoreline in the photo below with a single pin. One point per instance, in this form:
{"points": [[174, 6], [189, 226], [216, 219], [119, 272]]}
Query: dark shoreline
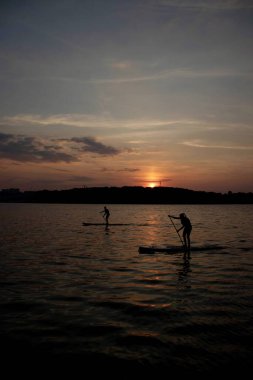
{"points": [[125, 195]]}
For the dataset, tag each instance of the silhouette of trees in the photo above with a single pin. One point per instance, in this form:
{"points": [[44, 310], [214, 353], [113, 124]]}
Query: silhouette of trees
{"points": [[125, 195]]}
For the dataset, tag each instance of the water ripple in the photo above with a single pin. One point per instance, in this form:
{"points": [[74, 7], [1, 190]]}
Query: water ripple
{"points": [[82, 292]]}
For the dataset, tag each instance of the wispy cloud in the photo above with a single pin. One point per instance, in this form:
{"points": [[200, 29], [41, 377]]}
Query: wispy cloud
{"points": [[206, 4], [77, 120], [90, 121], [200, 144], [172, 74], [179, 73], [130, 170], [122, 65]]}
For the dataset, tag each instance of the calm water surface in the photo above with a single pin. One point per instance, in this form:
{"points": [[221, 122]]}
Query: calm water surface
{"points": [[72, 290]]}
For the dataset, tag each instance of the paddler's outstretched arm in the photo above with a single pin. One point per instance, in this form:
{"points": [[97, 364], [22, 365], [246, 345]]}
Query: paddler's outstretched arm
{"points": [[174, 217]]}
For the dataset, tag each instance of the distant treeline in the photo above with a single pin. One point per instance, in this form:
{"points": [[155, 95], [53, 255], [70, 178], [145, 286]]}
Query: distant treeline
{"points": [[127, 195]]}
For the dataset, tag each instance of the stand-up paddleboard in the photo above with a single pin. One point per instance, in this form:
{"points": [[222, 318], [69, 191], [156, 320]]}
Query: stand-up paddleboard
{"points": [[178, 249], [104, 224], [118, 224]]}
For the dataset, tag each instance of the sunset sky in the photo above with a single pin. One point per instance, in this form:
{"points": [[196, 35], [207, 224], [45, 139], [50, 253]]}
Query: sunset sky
{"points": [[126, 92]]}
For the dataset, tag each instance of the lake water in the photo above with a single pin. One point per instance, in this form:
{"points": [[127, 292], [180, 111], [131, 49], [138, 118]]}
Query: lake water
{"points": [[69, 290]]}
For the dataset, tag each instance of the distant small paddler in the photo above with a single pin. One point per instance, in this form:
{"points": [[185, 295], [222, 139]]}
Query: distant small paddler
{"points": [[106, 214]]}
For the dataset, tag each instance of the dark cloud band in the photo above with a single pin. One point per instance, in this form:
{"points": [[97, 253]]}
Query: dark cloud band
{"points": [[89, 144], [31, 149]]}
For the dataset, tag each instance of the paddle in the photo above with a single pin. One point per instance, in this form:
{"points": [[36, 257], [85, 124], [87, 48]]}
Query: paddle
{"points": [[103, 216], [177, 231]]}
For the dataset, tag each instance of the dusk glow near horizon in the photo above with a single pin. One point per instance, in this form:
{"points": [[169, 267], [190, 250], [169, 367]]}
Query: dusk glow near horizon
{"points": [[126, 93]]}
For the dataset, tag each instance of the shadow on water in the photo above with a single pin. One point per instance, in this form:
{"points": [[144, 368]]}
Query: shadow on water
{"points": [[183, 273]]}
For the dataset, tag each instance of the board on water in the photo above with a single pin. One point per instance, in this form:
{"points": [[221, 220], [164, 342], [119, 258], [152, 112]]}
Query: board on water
{"points": [[104, 224], [178, 249], [118, 224]]}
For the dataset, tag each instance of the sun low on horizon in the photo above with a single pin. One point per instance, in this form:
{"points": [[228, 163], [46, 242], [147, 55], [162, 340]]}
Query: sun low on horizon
{"points": [[152, 185]]}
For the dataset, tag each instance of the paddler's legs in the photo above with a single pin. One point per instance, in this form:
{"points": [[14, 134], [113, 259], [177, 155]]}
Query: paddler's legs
{"points": [[187, 241]]}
